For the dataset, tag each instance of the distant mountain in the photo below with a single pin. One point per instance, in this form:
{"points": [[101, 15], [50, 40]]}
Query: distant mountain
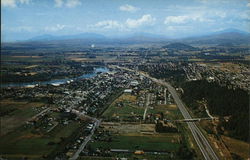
{"points": [[221, 38], [182, 46], [45, 37], [142, 35], [66, 37], [230, 30], [135, 37], [229, 36]]}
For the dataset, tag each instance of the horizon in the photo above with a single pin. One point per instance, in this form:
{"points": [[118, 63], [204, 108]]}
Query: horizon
{"points": [[172, 19]]}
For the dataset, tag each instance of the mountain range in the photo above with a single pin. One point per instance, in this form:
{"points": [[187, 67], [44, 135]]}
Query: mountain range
{"points": [[226, 37]]}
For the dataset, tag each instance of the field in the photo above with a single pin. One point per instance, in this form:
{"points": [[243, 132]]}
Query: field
{"points": [[169, 111], [33, 141], [128, 109], [7, 58], [123, 128], [163, 142], [16, 113], [133, 135], [25, 141], [237, 147], [129, 156], [225, 67]]}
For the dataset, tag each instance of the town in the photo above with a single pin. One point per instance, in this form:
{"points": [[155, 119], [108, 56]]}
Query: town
{"points": [[110, 105]]}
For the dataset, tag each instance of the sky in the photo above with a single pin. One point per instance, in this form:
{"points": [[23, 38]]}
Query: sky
{"points": [[24, 19]]}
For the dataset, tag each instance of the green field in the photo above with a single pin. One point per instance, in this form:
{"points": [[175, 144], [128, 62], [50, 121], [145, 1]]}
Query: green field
{"points": [[16, 113], [129, 156], [25, 141], [169, 111], [125, 111], [130, 109], [157, 143], [18, 58]]}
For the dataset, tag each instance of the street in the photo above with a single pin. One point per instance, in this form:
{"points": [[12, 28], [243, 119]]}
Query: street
{"points": [[205, 148]]}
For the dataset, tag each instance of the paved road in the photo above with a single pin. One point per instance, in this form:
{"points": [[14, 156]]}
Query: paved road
{"points": [[165, 96], [205, 148], [200, 139], [86, 140], [146, 105]]}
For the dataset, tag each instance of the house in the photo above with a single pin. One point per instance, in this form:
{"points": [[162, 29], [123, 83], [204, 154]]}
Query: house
{"points": [[134, 83], [128, 91], [139, 152]]}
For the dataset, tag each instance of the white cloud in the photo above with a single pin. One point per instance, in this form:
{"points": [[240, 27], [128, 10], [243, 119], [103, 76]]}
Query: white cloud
{"points": [[145, 19], [220, 14], [179, 28], [244, 15], [58, 3], [186, 19], [72, 3], [8, 3], [67, 3], [128, 8], [176, 19], [24, 1], [248, 5], [215, 1], [125, 26], [54, 28], [13, 3], [107, 24]]}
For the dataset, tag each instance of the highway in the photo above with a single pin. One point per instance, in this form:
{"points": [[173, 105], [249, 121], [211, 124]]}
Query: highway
{"points": [[206, 149], [203, 144]]}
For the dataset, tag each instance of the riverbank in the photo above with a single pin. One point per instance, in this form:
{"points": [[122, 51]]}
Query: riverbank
{"points": [[57, 81]]}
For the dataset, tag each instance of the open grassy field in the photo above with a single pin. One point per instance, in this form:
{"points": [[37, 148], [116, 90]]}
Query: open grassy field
{"points": [[237, 147], [123, 112], [128, 109], [123, 128], [25, 141], [129, 156], [169, 111], [95, 158], [162, 142], [16, 113], [7, 58]]}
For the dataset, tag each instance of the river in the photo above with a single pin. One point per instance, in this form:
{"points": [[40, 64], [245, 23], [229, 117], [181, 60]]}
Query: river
{"points": [[57, 81]]}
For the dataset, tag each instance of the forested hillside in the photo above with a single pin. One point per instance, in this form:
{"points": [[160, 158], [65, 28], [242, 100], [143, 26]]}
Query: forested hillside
{"points": [[221, 102]]}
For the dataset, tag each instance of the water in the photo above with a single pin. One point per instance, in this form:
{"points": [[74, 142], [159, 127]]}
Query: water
{"points": [[57, 81]]}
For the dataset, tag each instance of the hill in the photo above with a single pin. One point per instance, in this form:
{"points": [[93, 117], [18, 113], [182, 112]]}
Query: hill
{"points": [[47, 37], [177, 46], [224, 37]]}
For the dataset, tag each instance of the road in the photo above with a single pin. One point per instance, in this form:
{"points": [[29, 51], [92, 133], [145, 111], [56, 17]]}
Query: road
{"points": [[39, 114], [165, 96], [146, 105], [205, 148], [87, 139], [208, 112]]}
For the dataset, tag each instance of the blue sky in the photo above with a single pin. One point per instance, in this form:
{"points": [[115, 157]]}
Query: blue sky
{"points": [[24, 19]]}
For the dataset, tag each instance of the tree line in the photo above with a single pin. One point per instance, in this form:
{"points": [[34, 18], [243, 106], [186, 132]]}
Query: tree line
{"points": [[221, 101]]}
